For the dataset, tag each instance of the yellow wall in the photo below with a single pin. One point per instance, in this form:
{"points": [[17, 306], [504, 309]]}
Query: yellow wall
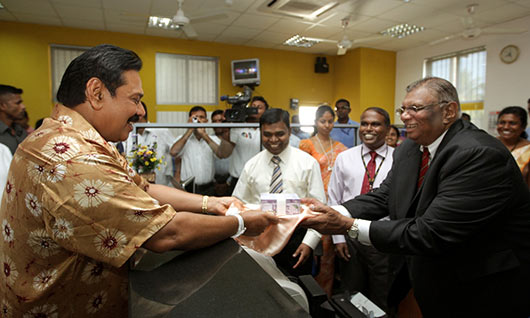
{"points": [[24, 63], [366, 77]]}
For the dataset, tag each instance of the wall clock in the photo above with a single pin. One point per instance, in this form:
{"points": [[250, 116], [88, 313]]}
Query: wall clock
{"points": [[509, 54]]}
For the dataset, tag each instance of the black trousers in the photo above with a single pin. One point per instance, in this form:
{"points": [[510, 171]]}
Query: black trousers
{"points": [[285, 260], [367, 272]]}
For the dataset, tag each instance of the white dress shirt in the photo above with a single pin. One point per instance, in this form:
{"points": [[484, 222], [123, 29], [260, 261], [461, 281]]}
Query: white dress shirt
{"points": [[222, 166], [164, 140], [348, 173], [5, 162], [247, 145], [198, 160], [300, 175]]}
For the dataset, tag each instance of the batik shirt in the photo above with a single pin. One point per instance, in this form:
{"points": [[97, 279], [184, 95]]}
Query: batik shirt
{"points": [[72, 214]]}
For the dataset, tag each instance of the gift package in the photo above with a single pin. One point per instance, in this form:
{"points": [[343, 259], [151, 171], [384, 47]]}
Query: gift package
{"points": [[280, 203]]}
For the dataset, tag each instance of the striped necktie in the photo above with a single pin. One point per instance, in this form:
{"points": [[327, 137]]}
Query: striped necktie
{"points": [[276, 181], [424, 165]]}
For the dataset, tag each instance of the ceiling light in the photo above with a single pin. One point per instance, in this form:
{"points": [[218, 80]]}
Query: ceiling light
{"points": [[163, 23], [402, 30], [1, 5], [301, 41]]}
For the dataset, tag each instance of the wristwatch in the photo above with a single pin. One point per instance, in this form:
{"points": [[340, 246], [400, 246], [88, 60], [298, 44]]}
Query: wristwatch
{"points": [[353, 232]]}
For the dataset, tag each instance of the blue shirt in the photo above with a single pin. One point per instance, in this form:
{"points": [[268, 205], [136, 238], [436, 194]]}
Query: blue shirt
{"points": [[528, 133], [345, 135]]}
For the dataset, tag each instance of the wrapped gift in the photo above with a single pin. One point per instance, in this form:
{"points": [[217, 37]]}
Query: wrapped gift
{"points": [[280, 203]]}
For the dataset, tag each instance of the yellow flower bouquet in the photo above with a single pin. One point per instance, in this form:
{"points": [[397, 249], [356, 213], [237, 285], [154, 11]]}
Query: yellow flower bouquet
{"points": [[144, 159]]}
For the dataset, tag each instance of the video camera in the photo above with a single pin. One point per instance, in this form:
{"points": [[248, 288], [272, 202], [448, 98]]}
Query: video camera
{"points": [[239, 111]]}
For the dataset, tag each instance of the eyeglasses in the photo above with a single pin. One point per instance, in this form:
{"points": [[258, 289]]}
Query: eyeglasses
{"points": [[414, 109], [341, 108]]}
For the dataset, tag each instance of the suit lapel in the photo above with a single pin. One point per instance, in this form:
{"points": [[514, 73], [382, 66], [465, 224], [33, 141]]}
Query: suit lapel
{"points": [[410, 171]]}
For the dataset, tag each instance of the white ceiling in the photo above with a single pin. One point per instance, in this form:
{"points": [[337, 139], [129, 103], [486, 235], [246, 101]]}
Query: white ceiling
{"points": [[245, 24]]}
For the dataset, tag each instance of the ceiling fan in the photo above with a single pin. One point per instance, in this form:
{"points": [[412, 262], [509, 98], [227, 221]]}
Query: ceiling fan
{"points": [[181, 22], [345, 43], [471, 30]]}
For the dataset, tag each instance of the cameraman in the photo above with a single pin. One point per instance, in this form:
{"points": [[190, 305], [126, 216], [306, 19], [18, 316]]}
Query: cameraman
{"points": [[244, 143], [197, 150]]}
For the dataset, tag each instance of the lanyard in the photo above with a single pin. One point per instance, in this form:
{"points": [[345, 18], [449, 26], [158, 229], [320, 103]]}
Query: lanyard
{"points": [[372, 179]]}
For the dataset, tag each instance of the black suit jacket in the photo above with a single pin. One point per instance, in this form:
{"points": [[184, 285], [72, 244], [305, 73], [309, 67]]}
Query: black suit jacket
{"points": [[464, 236]]}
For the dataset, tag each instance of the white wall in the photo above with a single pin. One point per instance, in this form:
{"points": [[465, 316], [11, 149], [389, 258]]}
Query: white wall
{"points": [[506, 84]]}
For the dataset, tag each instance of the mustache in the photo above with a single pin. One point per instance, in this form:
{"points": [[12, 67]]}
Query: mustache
{"points": [[134, 119]]}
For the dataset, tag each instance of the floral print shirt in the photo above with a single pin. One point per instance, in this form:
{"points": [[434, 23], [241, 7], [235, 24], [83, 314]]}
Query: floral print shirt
{"points": [[72, 214]]}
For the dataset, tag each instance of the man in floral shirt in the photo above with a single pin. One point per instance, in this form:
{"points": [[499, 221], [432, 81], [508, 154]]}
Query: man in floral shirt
{"points": [[73, 212]]}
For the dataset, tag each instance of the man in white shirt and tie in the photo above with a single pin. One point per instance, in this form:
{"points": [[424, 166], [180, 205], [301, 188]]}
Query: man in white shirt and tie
{"points": [[282, 168], [359, 170]]}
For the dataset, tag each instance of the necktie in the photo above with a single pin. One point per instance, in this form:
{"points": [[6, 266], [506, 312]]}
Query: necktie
{"points": [[424, 165], [276, 180], [369, 176]]}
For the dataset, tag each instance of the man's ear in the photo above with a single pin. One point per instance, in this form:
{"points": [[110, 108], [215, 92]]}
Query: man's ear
{"points": [[450, 113], [94, 92]]}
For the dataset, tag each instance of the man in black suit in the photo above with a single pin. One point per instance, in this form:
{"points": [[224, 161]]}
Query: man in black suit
{"points": [[460, 214]]}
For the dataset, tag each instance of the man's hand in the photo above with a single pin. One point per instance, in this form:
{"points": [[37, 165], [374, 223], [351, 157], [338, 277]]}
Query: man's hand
{"points": [[201, 132], [257, 221], [329, 222], [219, 205], [342, 250], [304, 251]]}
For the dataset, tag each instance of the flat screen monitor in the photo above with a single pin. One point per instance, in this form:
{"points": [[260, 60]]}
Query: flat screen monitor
{"points": [[245, 72]]}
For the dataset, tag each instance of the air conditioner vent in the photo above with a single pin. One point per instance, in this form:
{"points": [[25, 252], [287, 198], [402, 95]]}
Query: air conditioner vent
{"points": [[308, 9]]}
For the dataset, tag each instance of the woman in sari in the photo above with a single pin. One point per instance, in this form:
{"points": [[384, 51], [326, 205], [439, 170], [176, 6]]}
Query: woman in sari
{"points": [[325, 151], [511, 125]]}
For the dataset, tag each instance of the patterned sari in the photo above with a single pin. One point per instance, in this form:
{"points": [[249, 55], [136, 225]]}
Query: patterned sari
{"points": [[522, 156]]}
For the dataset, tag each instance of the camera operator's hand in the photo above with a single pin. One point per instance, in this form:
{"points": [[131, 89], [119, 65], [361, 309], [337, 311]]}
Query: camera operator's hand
{"points": [[201, 132]]}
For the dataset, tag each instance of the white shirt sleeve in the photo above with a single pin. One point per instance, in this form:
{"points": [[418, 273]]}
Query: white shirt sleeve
{"points": [[316, 186], [311, 238], [342, 210], [364, 226], [337, 239], [5, 162], [241, 190], [364, 231], [335, 190]]}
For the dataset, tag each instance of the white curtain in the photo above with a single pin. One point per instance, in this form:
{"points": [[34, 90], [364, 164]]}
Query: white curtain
{"points": [[186, 79], [465, 69], [60, 59]]}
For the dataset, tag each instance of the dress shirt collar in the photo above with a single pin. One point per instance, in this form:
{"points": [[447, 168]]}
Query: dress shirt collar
{"points": [[381, 151], [434, 146], [284, 155], [17, 128], [350, 122], [3, 127]]}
